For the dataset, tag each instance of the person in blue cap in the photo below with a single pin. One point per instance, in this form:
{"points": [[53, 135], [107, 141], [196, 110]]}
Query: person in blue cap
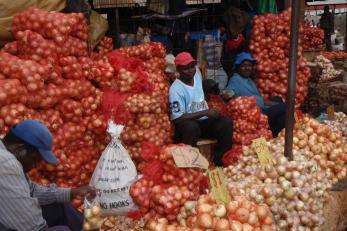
{"points": [[242, 84], [25, 205]]}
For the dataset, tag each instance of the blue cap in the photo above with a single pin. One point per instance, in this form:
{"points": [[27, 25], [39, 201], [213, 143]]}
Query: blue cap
{"points": [[36, 134], [243, 57]]}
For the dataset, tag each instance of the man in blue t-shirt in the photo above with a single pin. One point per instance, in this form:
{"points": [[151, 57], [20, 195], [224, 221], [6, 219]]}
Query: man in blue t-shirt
{"points": [[190, 113]]}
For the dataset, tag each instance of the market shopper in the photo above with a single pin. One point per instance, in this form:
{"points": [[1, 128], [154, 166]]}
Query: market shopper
{"points": [[242, 84], [25, 205], [190, 113], [327, 24], [213, 56]]}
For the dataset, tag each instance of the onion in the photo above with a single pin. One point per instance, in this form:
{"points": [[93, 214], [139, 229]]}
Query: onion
{"points": [[236, 226], [204, 220], [242, 214], [222, 224], [219, 210]]}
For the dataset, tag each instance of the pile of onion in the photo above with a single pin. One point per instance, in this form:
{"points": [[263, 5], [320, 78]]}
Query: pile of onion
{"points": [[159, 194], [270, 47], [145, 51], [313, 38], [295, 190], [248, 121], [206, 214], [12, 91], [322, 145], [339, 124], [105, 46], [52, 25]]}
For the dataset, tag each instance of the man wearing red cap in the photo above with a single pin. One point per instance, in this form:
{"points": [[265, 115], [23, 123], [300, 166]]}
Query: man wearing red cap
{"points": [[190, 113]]}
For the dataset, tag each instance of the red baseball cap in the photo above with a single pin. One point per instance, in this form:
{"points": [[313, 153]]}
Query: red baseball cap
{"points": [[183, 58]]}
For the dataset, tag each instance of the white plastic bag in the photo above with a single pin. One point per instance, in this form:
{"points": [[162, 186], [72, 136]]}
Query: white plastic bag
{"points": [[114, 174]]}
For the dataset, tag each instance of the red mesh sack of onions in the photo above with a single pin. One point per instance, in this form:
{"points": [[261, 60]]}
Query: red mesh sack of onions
{"points": [[47, 97], [248, 121], [53, 25], [113, 106], [270, 47], [105, 46], [14, 113], [145, 51], [11, 48], [12, 91], [215, 101], [129, 73], [232, 155], [28, 72], [32, 45]]}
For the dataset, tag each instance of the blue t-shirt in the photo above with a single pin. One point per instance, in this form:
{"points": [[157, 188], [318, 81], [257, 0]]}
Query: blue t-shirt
{"points": [[245, 87], [187, 99]]}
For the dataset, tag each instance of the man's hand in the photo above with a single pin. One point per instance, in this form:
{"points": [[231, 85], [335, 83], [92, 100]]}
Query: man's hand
{"points": [[82, 191], [213, 113]]}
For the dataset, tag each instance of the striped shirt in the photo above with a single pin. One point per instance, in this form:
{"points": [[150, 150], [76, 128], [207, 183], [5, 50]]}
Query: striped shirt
{"points": [[20, 198], [212, 55]]}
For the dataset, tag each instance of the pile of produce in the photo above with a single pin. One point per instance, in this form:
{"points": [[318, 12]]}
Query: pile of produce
{"points": [[248, 121], [328, 70], [313, 38], [159, 193], [120, 223], [206, 214], [332, 55], [337, 91], [42, 78], [294, 190], [141, 89], [270, 47], [338, 124]]}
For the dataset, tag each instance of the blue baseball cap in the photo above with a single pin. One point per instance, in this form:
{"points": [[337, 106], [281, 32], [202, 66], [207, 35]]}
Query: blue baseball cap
{"points": [[36, 134], [243, 57]]}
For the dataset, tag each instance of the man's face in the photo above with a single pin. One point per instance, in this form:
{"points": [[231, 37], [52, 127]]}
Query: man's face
{"points": [[246, 69], [187, 72], [28, 158]]}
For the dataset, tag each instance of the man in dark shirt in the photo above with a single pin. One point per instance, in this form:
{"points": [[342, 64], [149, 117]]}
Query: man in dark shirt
{"points": [[327, 24]]}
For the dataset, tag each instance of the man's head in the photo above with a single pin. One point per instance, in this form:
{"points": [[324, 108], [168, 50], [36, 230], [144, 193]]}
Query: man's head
{"points": [[326, 9], [185, 65], [244, 64], [30, 141]]}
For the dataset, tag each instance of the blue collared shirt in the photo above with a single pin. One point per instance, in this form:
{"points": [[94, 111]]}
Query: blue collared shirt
{"points": [[245, 87]]}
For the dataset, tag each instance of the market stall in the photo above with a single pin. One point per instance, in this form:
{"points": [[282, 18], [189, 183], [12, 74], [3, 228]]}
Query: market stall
{"points": [[107, 110]]}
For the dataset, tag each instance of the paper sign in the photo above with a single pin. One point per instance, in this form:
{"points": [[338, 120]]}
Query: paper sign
{"points": [[260, 147], [331, 112], [188, 157], [218, 186]]}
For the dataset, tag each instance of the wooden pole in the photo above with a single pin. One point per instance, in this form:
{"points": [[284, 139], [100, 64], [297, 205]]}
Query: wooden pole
{"points": [[293, 56]]}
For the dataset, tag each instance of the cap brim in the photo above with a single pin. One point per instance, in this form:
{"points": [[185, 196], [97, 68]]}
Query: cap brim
{"points": [[186, 62], [48, 156]]}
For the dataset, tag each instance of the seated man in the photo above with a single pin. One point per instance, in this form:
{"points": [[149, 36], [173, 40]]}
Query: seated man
{"points": [[25, 205], [190, 113], [242, 84]]}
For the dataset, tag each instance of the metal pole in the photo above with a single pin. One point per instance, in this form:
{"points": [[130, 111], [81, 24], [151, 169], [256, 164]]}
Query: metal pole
{"points": [[293, 56], [117, 29]]}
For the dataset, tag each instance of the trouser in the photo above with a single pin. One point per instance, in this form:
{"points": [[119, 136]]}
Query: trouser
{"points": [[62, 217], [276, 115], [189, 131], [219, 76], [327, 40], [59, 217]]}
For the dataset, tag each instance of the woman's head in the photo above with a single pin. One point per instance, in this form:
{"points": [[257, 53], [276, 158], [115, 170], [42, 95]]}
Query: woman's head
{"points": [[244, 64], [246, 68]]}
